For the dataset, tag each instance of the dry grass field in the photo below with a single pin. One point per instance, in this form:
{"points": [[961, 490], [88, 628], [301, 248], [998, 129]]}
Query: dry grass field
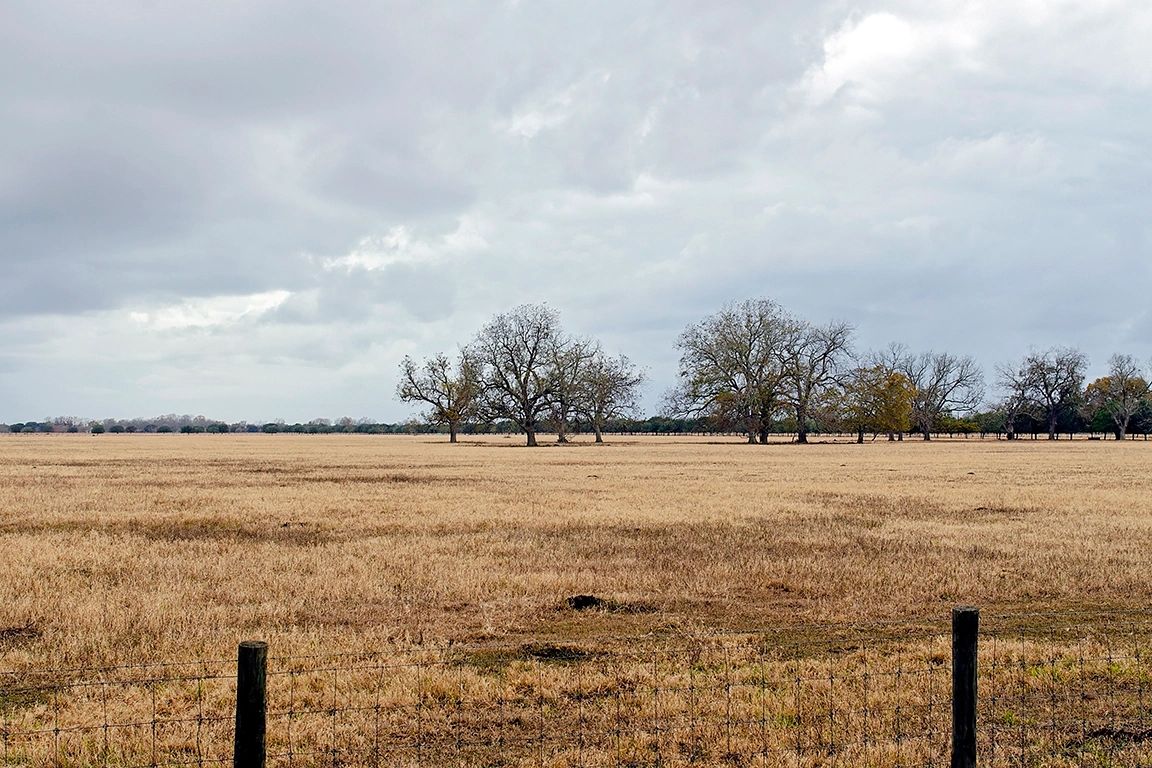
{"points": [[130, 549]]}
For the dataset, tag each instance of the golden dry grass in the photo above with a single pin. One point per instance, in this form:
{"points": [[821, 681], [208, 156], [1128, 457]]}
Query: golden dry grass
{"points": [[158, 548]]}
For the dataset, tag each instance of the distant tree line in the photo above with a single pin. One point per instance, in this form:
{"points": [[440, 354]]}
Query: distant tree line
{"points": [[751, 368], [200, 424]]}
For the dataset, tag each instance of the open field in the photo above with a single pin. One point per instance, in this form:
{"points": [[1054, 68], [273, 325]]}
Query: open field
{"points": [[121, 550], [137, 548]]}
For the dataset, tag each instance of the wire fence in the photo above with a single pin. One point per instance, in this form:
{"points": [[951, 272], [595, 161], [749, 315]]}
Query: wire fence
{"points": [[812, 696]]}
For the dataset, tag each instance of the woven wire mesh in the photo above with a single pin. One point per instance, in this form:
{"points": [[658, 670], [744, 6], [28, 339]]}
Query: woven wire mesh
{"points": [[132, 715], [1068, 695], [722, 702], [1064, 692]]}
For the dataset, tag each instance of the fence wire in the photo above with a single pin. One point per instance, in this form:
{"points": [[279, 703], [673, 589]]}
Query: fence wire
{"points": [[795, 698]]}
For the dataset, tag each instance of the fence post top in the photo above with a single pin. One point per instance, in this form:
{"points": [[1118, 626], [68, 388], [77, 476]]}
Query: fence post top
{"points": [[254, 645], [962, 609]]}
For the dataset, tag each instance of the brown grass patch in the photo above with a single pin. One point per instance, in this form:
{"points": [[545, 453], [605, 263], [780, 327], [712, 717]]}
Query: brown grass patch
{"points": [[345, 539]]}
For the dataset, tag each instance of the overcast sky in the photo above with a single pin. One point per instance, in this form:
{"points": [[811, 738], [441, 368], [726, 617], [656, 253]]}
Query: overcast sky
{"points": [[254, 210]]}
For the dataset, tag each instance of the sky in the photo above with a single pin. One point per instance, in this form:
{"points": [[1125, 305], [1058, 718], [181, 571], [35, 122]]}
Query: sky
{"points": [[255, 210]]}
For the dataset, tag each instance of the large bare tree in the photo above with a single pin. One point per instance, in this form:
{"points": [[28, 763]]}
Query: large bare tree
{"points": [[569, 362], [942, 384], [607, 390], [732, 365], [516, 353], [813, 358], [450, 389], [1053, 381]]}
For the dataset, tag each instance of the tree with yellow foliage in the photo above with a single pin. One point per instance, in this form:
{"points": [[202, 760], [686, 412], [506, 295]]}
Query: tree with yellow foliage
{"points": [[1119, 394], [877, 399]]}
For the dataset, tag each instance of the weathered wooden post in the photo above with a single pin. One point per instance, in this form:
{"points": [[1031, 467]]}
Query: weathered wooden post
{"points": [[251, 704], [965, 631]]}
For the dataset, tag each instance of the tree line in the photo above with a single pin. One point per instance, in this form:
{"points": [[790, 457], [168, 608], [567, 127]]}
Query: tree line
{"points": [[754, 368], [187, 424]]}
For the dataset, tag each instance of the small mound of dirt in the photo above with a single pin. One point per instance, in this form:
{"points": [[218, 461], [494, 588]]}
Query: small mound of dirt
{"points": [[549, 652], [586, 602]]}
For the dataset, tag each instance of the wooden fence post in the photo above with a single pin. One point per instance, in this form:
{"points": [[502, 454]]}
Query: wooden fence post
{"points": [[965, 631], [251, 704]]}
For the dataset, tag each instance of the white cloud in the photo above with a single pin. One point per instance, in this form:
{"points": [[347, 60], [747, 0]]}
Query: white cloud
{"points": [[398, 246], [210, 312], [870, 56], [915, 48]]}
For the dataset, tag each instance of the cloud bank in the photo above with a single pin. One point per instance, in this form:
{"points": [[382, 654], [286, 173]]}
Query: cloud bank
{"points": [[255, 210]]}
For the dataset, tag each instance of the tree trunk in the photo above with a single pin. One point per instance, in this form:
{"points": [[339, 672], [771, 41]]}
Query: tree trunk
{"points": [[764, 435], [1121, 433], [599, 437], [531, 432], [926, 432], [452, 427], [1052, 426], [801, 425], [891, 437], [860, 436]]}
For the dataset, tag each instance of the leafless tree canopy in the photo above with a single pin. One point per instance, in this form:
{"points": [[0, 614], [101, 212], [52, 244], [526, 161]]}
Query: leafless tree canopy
{"points": [[607, 390], [533, 374], [1017, 399], [451, 389], [749, 361], [1048, 383], [942, 384], [516, 352], [570, 362], [814, 358], [731, 365]]}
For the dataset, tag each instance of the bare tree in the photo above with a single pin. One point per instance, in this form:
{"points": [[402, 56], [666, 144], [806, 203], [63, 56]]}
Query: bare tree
{"points": [[608, 390], [731, 365], [813, 358], [569, 362], [515, 352], [1017, 385], [1120, 393], [942, 384], [1054, 380], [452, 390]]}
